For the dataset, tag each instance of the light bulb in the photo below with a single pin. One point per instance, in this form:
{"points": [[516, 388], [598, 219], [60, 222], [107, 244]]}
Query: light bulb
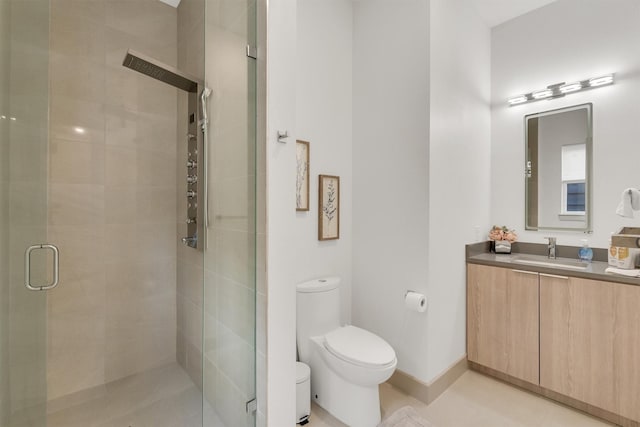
{"points": [[542, 94]]}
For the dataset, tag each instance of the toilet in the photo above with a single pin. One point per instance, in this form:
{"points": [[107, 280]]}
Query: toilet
{"points": [[347, 363]]}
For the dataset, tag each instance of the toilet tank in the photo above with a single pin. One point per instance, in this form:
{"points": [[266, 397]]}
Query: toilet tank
{"points": [[317, 311]]}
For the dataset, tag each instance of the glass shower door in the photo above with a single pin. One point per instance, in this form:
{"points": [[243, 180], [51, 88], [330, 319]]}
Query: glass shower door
{"points": [[24, 64], [229, 327]]}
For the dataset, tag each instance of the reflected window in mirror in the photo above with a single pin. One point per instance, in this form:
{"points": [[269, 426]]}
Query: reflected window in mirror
{"points": [[574, 175], [558, 169]]}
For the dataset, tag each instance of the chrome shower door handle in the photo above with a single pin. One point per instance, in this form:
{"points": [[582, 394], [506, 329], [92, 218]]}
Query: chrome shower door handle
{"points": [[27, 267]]}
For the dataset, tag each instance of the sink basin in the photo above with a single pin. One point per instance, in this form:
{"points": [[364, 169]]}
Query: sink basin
{"points": [[555, 263]]}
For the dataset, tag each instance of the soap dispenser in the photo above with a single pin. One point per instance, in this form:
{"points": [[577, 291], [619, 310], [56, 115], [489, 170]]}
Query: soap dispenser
{"points": [[585, 253]]}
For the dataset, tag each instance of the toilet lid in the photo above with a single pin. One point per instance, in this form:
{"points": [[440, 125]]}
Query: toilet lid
{"points": [[359, 347]]}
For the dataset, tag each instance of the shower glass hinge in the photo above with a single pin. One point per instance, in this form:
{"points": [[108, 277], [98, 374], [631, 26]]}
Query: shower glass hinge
{"points": [[252, 51], [252, 406]]}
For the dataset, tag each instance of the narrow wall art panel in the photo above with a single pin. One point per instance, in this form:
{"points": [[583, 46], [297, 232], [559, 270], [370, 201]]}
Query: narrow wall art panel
{"points": [[329, 207], [302, 175]]}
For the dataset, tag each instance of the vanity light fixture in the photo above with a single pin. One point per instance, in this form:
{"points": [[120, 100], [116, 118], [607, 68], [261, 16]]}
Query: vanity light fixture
{"points": [[571, 87], [542, 94], [518, 100], [561, 89], [601, 81]]}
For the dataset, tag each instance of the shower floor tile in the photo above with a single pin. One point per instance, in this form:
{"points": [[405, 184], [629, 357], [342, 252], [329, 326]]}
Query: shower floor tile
{"points": [[161, 397]]}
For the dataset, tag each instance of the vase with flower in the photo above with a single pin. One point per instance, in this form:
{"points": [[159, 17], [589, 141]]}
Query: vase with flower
{"points": [[501, 238]]}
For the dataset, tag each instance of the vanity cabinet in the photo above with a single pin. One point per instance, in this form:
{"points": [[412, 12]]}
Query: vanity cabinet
{"points": [[502, 320], [571, 339], [590, 342]]}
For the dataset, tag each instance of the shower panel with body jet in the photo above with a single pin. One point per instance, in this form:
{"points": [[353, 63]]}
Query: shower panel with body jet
{"points": [[197, 122]]}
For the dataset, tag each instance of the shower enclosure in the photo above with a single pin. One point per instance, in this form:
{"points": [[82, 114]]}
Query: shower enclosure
{"points": [[107, 158]]}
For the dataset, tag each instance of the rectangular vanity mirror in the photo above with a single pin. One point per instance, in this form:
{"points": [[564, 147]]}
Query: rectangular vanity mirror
{"points": [[558, 169]]}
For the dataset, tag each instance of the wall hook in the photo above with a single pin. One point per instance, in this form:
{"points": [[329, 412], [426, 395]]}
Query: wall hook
{"points": [[282, 135]]}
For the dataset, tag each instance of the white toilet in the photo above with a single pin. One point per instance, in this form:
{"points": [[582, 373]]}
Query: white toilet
{"points": [[347, 363]]}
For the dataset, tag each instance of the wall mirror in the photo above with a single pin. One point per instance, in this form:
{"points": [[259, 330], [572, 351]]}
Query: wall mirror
{"points": [[558, 169]]}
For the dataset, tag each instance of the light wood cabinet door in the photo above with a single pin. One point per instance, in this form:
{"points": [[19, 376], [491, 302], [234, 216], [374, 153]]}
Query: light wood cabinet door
{"points": [[502, 320], [577, 326], [626, 355]]}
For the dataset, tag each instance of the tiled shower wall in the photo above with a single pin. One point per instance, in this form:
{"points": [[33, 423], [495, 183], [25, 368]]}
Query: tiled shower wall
{"points": [[112, 187], [190, 263], [227, 302]]}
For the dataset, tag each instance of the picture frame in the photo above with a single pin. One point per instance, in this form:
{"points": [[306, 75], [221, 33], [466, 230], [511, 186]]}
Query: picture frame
{"points": [[302, 175], [328, 207]]}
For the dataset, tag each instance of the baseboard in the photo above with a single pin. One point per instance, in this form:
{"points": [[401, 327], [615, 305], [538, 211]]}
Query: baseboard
{"points": [[427, 393]]}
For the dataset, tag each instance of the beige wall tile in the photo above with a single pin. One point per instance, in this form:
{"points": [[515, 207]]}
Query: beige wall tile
{"points": [[76, 341], [23, 209], [236, 359], [209, 384], [156, 169], [82, 251], [156, 132], [112, 208], [233, 255], [76, 78], [194, 364], [73, 162], [121, 127], [121, 166], [76, 204], [121, 205], [236, 309], [192, 284], [75, 43], [155, 97], [80, 16], [230, 403], [159, 20], [121, 243], [157, 204], [193, 324], [234, 203], [67, 114]]}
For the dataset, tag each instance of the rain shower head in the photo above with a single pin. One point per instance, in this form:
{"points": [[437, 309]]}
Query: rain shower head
{"points": [[159, 71]]}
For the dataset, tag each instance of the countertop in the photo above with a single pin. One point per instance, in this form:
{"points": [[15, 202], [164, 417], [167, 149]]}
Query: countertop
{"points": [[479, 254]]}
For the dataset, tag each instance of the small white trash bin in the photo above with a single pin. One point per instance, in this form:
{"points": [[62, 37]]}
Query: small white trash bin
{"points": [[303, 393]]}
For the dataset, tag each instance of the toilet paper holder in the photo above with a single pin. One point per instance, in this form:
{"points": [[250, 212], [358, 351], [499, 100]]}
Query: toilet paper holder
{"points": [[415, 301]]}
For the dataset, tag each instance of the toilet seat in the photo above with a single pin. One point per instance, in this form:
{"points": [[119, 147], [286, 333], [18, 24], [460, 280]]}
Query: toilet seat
{"points": [[360, 347]]}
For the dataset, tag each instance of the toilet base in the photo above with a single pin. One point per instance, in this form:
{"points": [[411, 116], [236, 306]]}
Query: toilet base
{"points": [[354, 405]]}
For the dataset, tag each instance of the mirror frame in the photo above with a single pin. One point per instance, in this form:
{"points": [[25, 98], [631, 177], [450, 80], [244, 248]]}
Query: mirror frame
{"points": [[588, 175]]}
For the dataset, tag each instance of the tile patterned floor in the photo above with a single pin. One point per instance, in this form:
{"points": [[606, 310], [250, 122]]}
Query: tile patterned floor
{"points": [[161, 397], [476, 400]]}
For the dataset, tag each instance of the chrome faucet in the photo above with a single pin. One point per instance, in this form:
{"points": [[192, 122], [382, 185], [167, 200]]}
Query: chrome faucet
{"points": [[551, 247]]}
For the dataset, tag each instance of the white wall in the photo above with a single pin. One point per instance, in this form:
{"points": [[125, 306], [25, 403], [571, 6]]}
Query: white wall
{"points": [[566, 41], [459, 165], [324, 118], [421, 171], [401, 192], [390, 172], [281, 295]]}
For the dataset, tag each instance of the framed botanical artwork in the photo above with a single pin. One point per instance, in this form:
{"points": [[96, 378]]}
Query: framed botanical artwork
{"points": [[302, 175], [329, 207]]}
